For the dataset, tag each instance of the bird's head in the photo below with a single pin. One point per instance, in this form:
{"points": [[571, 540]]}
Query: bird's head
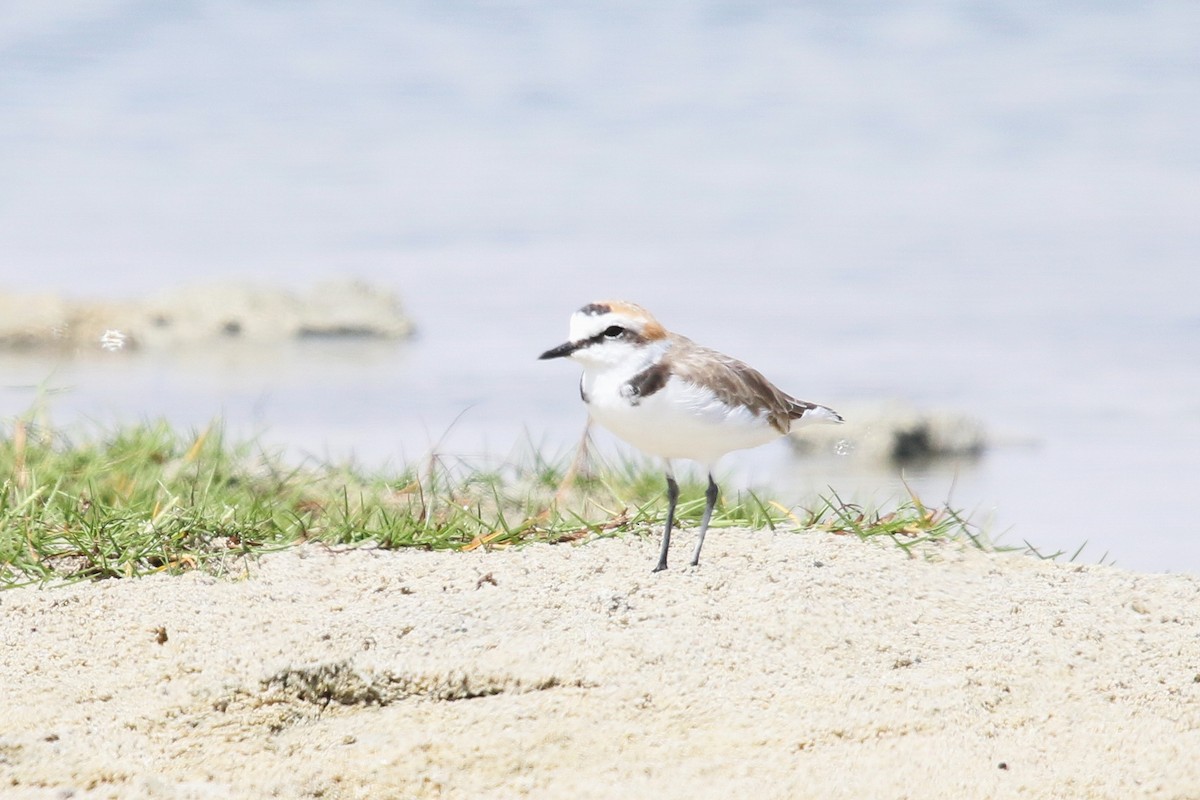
{"points": [[609, 333]]}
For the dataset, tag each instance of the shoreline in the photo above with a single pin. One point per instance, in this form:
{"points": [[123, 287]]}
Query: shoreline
{"points": [[786, 665]]}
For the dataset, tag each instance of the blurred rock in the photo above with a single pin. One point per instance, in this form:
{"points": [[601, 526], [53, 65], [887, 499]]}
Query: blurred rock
{"points": [[895, 434], [196, 315]]}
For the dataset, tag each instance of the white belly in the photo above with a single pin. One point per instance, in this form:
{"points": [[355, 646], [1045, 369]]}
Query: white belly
{"points": [[681, 420]]}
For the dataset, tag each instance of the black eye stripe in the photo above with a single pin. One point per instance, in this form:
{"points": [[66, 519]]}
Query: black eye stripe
{"points": [[612, 333]]}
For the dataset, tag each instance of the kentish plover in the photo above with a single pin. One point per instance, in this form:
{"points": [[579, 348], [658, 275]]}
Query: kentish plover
{"points": [[672, 398]]}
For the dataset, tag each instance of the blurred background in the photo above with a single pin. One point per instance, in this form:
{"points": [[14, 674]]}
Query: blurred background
{"points": [[990, 209]]}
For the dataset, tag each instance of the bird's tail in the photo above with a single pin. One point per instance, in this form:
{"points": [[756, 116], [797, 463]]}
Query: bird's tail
{"points": [[803, 413]]}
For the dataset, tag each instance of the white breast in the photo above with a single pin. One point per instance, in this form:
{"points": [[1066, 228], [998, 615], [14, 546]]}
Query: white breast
{"points": [[682, 420]]}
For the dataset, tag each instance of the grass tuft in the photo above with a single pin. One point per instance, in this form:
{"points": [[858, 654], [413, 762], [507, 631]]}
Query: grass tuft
{"points": [[147, 499]]}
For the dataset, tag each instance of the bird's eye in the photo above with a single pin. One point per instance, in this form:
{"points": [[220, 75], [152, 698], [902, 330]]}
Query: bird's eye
{"points": [[613, 331]]}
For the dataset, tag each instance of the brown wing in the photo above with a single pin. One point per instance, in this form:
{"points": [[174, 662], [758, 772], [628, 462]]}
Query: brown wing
{"points": [[734, 382]]}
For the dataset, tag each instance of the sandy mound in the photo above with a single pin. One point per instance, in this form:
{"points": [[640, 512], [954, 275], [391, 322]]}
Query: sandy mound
{"points": [[201, 315], [787, 665]]}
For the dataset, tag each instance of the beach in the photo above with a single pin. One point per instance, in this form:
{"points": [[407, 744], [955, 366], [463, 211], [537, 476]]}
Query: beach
{"points": [[788, 664]]}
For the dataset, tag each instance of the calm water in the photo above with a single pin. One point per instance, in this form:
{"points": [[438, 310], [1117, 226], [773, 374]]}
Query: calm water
{"points": [[992, 209]]}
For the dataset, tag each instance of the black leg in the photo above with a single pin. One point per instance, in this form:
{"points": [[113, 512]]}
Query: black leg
{"points": [[710, 497], [672, 498]]}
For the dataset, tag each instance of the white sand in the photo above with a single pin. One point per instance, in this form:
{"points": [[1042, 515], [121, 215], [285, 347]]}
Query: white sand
{"points": [[787, 665]]}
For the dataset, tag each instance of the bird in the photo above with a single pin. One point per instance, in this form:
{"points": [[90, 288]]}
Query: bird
{"points": [[672, 398]]}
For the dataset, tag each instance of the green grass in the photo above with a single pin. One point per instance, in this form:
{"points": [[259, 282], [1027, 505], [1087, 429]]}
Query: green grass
{"points": [[147, 499]]}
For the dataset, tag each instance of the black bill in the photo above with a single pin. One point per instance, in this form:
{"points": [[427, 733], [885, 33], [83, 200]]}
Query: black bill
{"points": [[562, 351]]}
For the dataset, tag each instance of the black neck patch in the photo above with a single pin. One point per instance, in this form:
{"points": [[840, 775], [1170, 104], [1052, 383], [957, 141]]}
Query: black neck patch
{"points": [[649, 381]]}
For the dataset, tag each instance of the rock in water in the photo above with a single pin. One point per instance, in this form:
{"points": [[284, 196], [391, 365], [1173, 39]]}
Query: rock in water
{"points": [[196, 315]]}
